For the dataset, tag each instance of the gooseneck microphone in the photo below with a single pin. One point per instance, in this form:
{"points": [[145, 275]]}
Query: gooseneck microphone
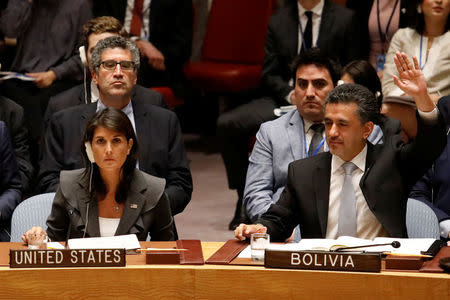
{"points": [[394, 244]]}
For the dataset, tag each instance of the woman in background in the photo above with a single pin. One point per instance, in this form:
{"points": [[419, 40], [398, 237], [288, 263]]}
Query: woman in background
{"points": [[110, 196], [429, 41], [379, 20], [362, 72]]}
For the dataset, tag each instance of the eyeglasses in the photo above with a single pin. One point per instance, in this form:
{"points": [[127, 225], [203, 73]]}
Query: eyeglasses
{"points": [[110, 65]]}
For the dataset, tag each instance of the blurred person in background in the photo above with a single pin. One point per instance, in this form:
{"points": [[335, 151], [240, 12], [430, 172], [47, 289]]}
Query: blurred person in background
{"points": [[429, 41]]}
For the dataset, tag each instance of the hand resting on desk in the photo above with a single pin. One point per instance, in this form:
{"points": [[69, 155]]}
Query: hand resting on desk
{"points": [[34, 231], [244, 230]]}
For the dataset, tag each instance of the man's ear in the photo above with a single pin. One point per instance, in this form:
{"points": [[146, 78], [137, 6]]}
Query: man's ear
{"points": [[94, 77], [367, 129]]}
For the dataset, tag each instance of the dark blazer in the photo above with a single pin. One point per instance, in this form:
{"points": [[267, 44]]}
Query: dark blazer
{"points": [[391, 170], [161, 149], [433, 188], [10, 183], [338, 38], [170, 28], [12, 114], [146, 210], [363, 7], [75, 96]]}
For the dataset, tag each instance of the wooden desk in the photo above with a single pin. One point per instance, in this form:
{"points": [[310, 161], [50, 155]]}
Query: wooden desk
{"points": [[215, 282]]}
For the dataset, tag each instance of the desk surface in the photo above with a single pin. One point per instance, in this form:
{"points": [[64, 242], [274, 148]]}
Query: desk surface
{"points": [[214, 281]]}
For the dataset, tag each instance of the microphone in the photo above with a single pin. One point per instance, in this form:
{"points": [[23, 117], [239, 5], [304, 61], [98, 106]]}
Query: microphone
{"points": [[394, 244]]}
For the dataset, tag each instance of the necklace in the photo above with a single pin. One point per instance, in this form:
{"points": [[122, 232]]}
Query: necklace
{"points": [[116, 207]]}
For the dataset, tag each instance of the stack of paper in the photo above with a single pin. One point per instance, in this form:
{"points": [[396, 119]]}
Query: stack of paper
{"points": [[407, 246], [127, 242]]}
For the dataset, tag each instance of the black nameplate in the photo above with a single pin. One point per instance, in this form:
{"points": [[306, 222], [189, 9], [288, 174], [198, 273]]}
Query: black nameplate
{"points": [[323, 260], [67, 258]]}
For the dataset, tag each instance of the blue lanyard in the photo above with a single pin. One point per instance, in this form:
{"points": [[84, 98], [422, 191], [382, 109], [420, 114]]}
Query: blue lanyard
{"points": [[420, 57], [316, 150]]}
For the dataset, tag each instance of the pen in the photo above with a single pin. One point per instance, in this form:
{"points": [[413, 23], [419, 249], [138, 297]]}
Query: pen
{"points": [[163, 249], [412, 255]]}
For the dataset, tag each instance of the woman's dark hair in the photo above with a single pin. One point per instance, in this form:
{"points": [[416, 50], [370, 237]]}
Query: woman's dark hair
{"points": [[419, 21], [115, 120], [362, 72]]}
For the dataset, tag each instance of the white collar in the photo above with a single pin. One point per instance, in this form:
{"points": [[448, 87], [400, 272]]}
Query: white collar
{"points": [[317, 10], [359, 160], [307, 124], [128, 109]]}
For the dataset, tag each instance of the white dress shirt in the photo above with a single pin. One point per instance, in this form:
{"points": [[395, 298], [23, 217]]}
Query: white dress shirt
{"points": [[367, 224], [108, 226], [316, 19]]}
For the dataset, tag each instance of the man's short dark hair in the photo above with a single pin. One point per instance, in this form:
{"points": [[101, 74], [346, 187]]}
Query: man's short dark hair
{"points": [[101, 25], [355, 93], [315, 56]]}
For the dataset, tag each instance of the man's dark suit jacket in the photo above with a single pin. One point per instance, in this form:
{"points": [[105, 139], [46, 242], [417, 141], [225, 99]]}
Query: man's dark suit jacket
{"points": [[363, 8], [170, 29], [433, 188], [391, 170], [75, 96], [10, 185], [338, 38], [161, 149], [12, 114]]}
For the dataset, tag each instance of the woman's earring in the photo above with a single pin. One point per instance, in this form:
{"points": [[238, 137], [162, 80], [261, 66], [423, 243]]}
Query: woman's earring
{"points": [[419, 9]]}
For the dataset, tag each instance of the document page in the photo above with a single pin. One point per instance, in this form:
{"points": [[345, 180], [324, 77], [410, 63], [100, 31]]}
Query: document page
{"points": [[407, 246], [127, 242], [311, 244]]}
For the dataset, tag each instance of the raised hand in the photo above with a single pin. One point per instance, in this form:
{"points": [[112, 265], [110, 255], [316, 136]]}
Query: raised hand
{"points": [[411, 80]]}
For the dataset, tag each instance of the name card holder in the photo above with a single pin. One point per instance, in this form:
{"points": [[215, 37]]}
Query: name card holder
{"points": [[162, 258], [54, 258], [323, 260]]}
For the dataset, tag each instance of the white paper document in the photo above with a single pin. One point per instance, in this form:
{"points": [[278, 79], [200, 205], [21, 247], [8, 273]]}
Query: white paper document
{"points": [[128, 242], [407, 246], [14, 75], [54, 245]]}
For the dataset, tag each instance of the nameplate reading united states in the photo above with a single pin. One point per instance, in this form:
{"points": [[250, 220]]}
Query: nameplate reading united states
{"points": [[323, 260], [53, 258]]}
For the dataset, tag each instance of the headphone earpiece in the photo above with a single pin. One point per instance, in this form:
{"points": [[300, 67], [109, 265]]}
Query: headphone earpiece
{"points": [[89, 153], [83, 56]]}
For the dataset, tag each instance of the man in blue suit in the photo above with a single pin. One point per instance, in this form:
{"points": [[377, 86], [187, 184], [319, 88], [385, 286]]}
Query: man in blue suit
{"points": [[10, 183], [291, 137], [433, 188]]}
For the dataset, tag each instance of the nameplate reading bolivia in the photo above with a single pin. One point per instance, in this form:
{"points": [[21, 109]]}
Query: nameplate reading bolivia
{"points": [[323, 260], [67, 258]]}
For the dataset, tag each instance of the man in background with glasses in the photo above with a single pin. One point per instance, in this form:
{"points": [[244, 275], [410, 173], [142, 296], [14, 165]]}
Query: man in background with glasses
{"points": [[114, 64]]}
